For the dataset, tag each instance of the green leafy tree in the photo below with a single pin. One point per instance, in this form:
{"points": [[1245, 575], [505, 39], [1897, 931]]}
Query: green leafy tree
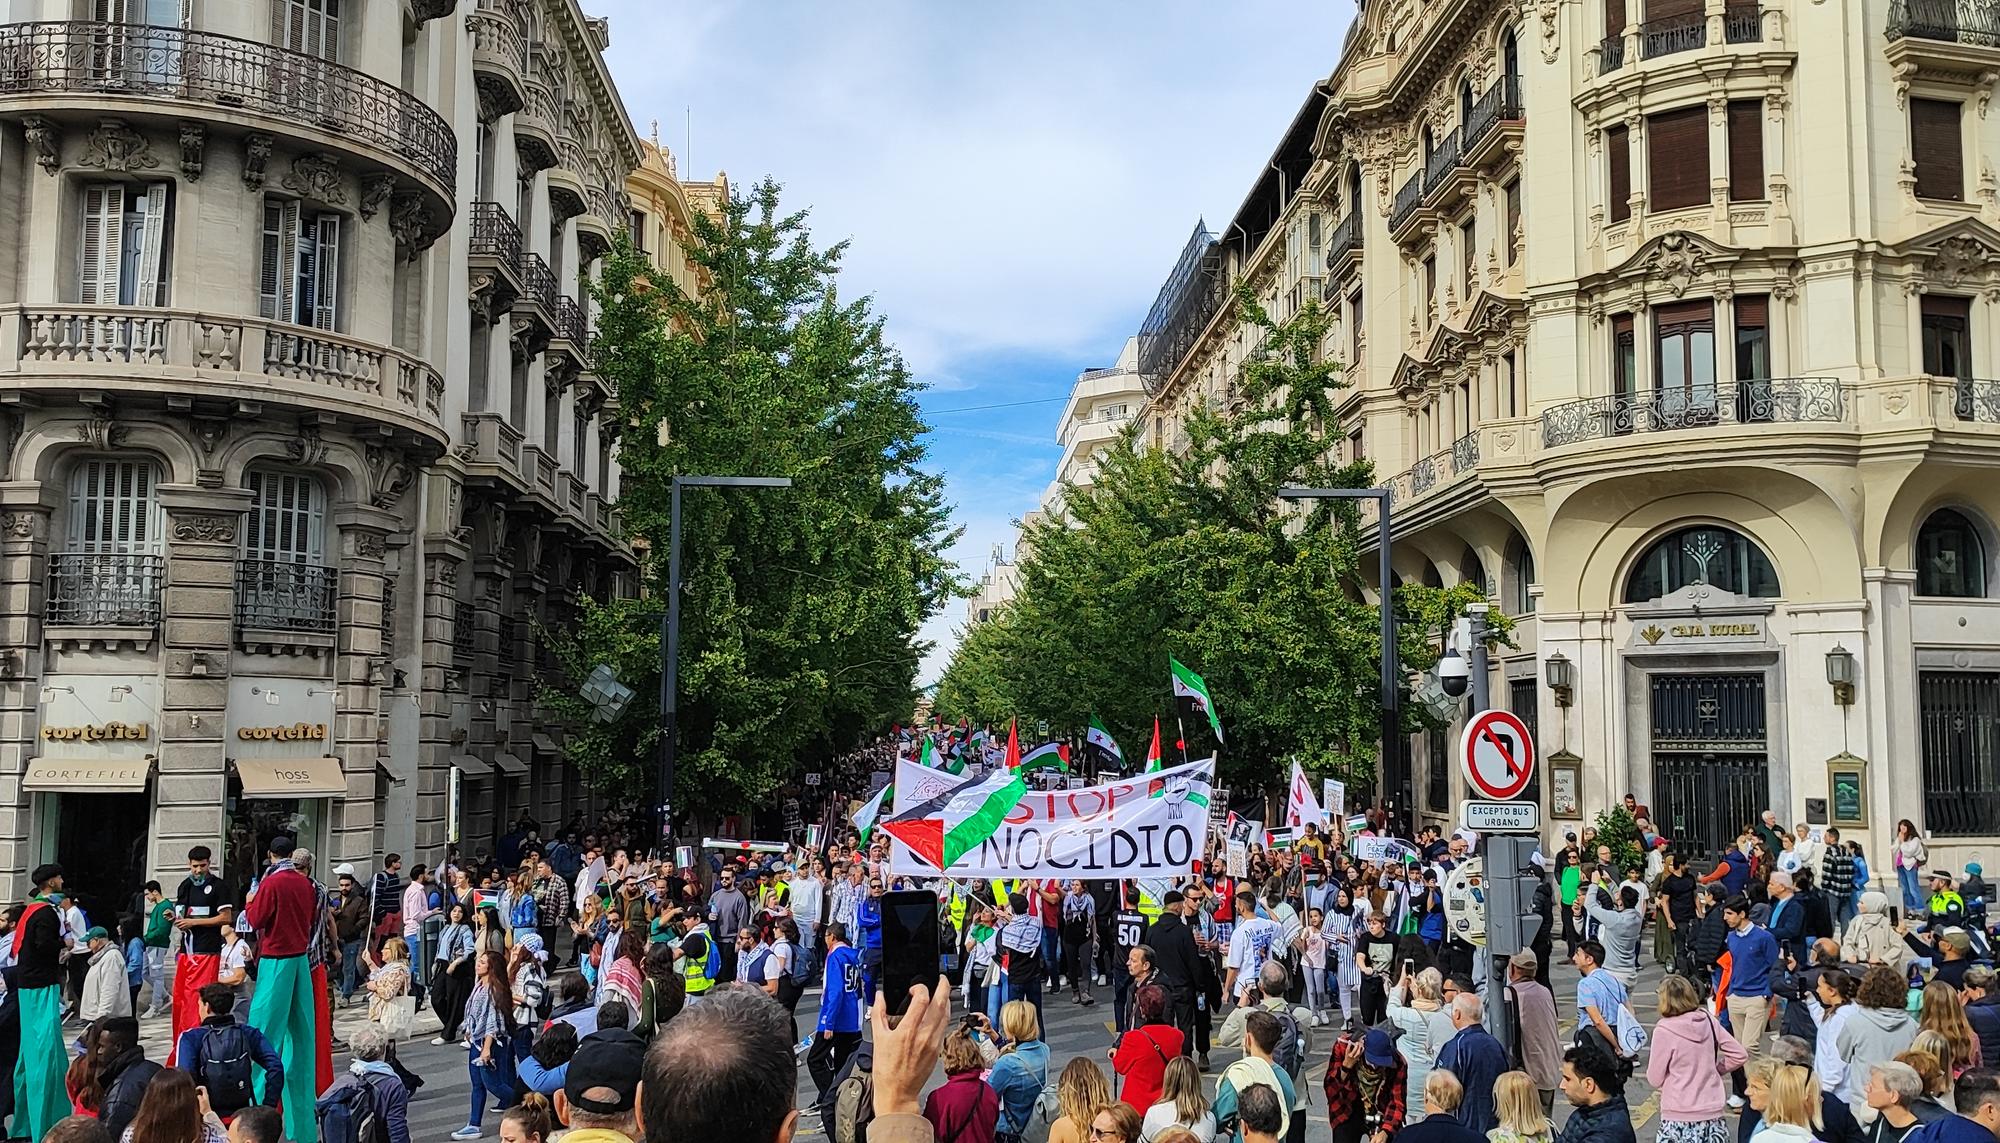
{"points": [[1192, 553], [1617, 829], [800, 608]]}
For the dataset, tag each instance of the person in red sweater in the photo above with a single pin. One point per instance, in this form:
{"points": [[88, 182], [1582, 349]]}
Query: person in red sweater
{"points": [[284, 912], [966, 1109], [1142, 1054]]}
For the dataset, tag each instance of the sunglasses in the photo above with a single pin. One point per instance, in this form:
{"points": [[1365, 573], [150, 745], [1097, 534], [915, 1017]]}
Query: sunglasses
{"points": [[1097, 1132]]}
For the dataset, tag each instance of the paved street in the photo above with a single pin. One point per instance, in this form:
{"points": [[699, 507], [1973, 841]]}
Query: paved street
{"points": [[440, 1108]]}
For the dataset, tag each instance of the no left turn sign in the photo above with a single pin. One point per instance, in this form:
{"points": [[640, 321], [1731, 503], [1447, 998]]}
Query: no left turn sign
{"points": [[1497, 754]]}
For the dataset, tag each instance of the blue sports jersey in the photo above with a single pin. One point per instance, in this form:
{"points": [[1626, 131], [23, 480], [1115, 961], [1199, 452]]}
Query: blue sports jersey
{"points": [[840, 1008]]}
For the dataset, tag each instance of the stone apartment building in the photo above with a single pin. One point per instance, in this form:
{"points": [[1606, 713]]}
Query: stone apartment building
{"points": [[1672, 325], [301, 439]]}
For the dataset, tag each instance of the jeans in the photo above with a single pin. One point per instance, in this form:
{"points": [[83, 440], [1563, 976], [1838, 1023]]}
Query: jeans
{"points": [[350, 967], [1121, 997], [495, 1079], [1906, 879], [1843, 912], [156, 975], [1051, 952]]}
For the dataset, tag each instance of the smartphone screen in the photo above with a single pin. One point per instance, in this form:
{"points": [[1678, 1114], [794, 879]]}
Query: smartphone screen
{"points": [[1895, 914], [911, 945]]}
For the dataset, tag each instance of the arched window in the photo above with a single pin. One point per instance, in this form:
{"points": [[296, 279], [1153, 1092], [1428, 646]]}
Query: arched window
{"points": [[1951, 559], [1706, 554], [1353, 188], [1432, 576], [283, 582], [1472, 570], [1510, 56], [1520, 601], [1465, 98]]}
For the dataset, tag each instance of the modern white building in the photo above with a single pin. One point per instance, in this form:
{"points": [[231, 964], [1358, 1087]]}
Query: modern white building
{"points": [[1101, 404]]}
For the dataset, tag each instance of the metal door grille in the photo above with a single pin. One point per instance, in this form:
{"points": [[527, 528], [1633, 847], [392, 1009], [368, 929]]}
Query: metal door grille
{"points": [[1711, 775], [1522, 696], [1960, 715]]}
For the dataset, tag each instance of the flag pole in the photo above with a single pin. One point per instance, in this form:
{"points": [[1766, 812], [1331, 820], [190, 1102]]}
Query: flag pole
{"points": [[1180, 724]]}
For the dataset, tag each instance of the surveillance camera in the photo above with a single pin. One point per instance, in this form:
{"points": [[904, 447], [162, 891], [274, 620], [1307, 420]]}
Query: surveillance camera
{"points": [[1453, 674]]}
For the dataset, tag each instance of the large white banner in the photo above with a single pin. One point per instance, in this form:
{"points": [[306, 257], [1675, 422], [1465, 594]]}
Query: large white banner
{"points": [[1146, 826]]}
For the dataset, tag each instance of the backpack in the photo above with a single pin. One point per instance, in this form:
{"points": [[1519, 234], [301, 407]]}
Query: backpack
{"points": [[853, 1106], [346, 1114], [222, 1064], [1290, 1052], [801, 969]]}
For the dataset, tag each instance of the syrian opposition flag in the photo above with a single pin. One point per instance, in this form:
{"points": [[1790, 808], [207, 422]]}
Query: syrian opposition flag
{"points": [[1189, 686], [1101, 738], [1049, 756], [945, 829], [1153, 751], [930, 758]]}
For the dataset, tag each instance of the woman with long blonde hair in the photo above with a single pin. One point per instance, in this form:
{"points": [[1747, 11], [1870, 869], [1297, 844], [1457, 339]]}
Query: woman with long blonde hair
{"points": [[1183, 1104], [1079, 1093], [1518, 1103], [1020, 1072], [1943, 1012], [1787, 1095]]}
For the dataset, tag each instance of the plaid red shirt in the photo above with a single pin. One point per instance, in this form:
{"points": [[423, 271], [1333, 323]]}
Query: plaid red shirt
{"points": [[1343, 1097]]}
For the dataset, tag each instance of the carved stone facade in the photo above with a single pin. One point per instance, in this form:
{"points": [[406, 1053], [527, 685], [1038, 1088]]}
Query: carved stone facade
{"points": [[229, 509], [1629, 288]]}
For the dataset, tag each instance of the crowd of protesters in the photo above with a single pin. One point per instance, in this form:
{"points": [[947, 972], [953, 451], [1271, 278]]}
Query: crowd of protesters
{"points": [[1797, 1003]]}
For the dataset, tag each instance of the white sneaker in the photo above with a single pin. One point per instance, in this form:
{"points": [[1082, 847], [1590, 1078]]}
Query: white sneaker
{"points": [[1735, 1103], [439, 1042], [1102, 980], [466, 1132]]}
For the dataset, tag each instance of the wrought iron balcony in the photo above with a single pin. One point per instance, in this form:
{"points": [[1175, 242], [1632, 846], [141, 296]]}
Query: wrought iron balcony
{"points": [[1423, 475], [96, 58], [494, 235], [281, 595], [570, 324], [538, 282], [1408, 197], [1611, 53], [1978, 400], [1465, 453], [1975, 22], [1674, 34], [1439, 164], [105, 589], [1346, 239], [1742, 24], [1501, 103], [1792, 399], [461, 630]]}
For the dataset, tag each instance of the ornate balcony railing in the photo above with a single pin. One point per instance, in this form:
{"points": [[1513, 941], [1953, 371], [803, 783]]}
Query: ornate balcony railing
{"points": [[569, 321], [97, 58], [1501, 103], [1346, 237], [1423, 475], [1798, 399], [495, 235], [1978, 400], [1975, 22], [1465, 453], [1742, 24], [1611, 53], [1674, 34], [105, 589], [80, 340], [1408, 197], [461, 630], [280, 595], [1439, 164], [538, 282]]}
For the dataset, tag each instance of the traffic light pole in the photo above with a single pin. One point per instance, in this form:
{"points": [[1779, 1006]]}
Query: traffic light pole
{"points": [[1509, 897]]}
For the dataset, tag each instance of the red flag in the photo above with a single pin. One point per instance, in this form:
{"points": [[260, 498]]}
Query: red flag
{"points": [[1014, 745], [1153, 752]]}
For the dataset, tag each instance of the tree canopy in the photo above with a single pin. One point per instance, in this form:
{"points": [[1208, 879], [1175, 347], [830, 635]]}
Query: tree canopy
{"points": [[1191, 553], [800, 608]]}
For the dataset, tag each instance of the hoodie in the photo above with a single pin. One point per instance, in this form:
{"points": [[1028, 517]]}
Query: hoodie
{"points": [[1870, 1035], [1690, 1061], [1871, 939], [1951, 1129], [1768, 1132]]}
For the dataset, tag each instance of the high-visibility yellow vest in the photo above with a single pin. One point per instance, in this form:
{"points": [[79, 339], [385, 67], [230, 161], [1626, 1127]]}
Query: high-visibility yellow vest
{"points": [[1149, 906], [694, 972], [957, 907]]}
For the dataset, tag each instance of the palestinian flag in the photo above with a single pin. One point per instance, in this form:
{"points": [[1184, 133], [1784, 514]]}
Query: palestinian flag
{"points": [[1013, 757], [1101, 738], [1050, 756], [930, 758], [1189, 686], [1153, 751], [864, 818], [946, 828]]}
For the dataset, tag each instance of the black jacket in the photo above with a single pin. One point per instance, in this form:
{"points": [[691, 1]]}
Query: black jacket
{"points": [[1984, 1015], [41, 948], [125, 1080], [1607, 1122], [1175, 954], [1710, 935]]}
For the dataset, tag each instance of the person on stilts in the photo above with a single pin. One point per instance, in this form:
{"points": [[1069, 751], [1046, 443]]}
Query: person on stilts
{"points": [[286, 911], [40, 1099]]}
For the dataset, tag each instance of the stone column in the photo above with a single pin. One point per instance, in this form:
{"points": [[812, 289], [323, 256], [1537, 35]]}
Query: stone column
{"points": [[25, 518], [361, 671], [197, 634], [444, 551]]}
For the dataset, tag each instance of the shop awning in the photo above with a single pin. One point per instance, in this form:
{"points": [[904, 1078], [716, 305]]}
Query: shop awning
{"points": [[319, 777], [509, 764], [544, 742], [87, 775], [473, 765]]}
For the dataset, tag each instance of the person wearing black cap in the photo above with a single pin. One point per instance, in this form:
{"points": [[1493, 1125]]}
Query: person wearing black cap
{"points": [[599, 1098], [40, 1100]]}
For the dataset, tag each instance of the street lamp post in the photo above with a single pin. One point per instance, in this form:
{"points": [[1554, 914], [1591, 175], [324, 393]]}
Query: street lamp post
{"points": [[1394, 775], [670, 635]]}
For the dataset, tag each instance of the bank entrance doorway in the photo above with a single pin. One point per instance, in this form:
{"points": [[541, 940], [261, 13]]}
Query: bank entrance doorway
{"points": [[1711, 772]]}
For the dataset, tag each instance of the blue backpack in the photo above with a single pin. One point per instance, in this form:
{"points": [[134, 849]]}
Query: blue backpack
{"points": [[346, 1113]]}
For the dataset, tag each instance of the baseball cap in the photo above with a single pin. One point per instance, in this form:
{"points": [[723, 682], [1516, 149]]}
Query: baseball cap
{"points": [[95, 932], [1379, 1049], [1958, 939], [611, 1058], [344, 869]]}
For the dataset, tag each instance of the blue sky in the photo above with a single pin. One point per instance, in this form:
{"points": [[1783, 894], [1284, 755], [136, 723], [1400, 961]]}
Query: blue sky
{"points": [[1016, 178]]}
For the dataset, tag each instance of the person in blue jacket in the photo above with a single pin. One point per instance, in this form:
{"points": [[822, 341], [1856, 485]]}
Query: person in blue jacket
{"points": [[838, 1032], [868, 915], [1020, 1072]]}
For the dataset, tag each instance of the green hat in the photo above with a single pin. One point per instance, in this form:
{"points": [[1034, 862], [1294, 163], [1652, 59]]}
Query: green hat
{"points": [[95, 932]]}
